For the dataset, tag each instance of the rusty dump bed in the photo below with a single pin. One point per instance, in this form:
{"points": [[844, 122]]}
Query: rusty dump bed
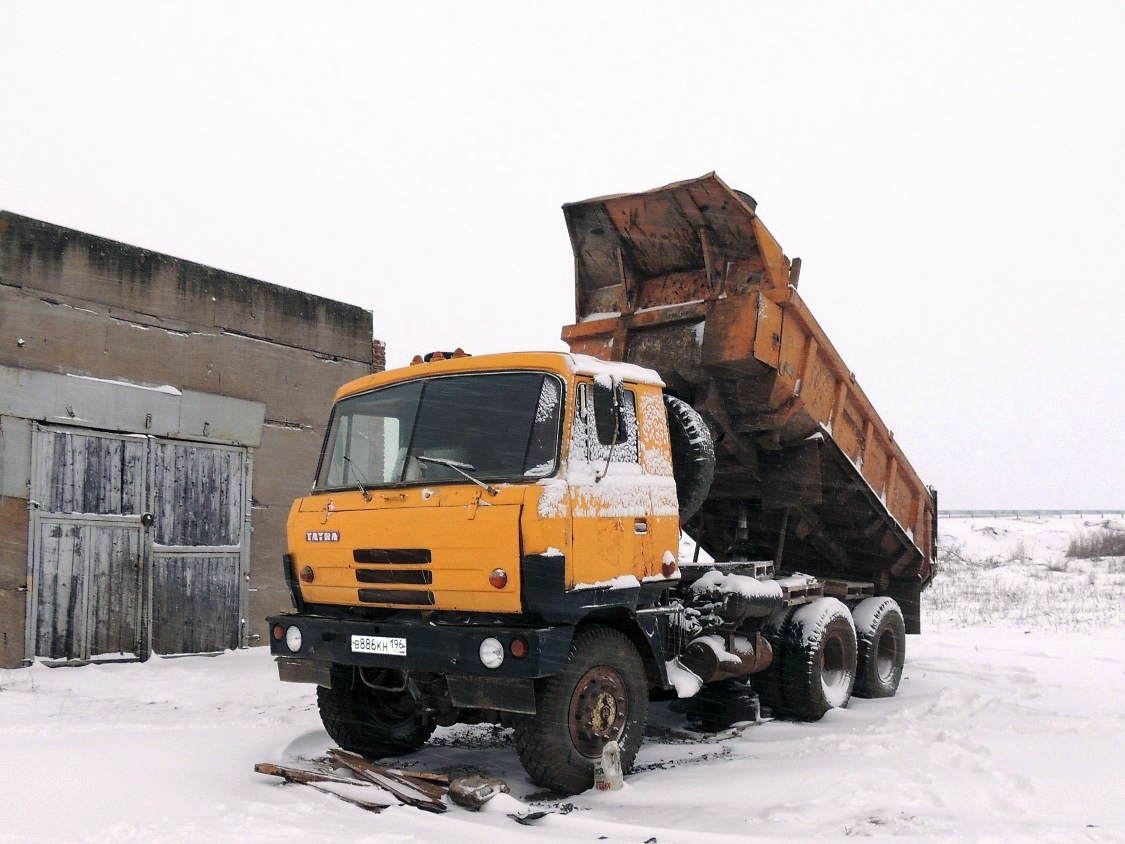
{"points": [[686, 280]]}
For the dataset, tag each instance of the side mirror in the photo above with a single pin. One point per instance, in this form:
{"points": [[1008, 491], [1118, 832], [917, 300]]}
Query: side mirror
{"points": [[609, 419]]}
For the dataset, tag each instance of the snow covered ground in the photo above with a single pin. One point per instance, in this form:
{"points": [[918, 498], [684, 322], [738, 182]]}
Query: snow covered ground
{"points": [[1009, 726]]}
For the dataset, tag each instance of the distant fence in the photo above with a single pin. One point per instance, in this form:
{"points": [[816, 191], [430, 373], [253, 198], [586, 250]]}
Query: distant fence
{"points": [[1026, 514]]}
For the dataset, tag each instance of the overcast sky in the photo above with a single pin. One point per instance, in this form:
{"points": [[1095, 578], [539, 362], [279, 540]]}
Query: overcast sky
{"points": [[950, 174]]}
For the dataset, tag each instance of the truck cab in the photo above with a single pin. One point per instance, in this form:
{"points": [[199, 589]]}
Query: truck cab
{"points": [[457, 486], [468, 518]]}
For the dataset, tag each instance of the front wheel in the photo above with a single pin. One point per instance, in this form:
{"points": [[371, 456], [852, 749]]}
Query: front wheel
{"points": [[371, 722], [600, 696]]}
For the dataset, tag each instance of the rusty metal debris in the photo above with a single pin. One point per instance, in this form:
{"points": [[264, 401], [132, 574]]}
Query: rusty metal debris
{"points": [[474, 790]]}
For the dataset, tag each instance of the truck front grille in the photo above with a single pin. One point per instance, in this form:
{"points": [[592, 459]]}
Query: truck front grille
{"points": [[396, 576], [392, 556], [397, 596], [411, 576]]}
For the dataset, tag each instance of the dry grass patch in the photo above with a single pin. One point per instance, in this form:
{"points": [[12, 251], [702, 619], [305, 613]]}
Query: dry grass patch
{"points": [[1100, 542]]}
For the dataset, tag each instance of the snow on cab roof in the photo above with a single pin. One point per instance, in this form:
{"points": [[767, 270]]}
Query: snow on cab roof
{"points": [[587, 365]]}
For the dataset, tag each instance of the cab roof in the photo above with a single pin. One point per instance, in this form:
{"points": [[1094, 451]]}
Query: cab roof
{"points": [[563, 363]]}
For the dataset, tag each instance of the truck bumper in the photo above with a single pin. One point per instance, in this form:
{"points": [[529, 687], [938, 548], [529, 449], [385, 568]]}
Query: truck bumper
{"points": [[428, 647]]}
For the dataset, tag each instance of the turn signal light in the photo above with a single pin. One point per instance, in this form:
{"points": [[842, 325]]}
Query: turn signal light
{"points": [[518, 648], [278, 632], [498, 578], [668, 568], [306, 575]]}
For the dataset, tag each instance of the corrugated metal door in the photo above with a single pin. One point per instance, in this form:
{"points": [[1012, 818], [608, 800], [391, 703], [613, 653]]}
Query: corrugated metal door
{"points": [[138, 544], [87, 544]]}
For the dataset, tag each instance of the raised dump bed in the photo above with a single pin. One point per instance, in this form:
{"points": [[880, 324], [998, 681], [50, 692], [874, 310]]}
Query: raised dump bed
{"points": [[686, 279]]}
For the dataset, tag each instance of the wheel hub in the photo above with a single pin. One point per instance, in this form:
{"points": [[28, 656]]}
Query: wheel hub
{"points": [[886, 657], [599, 708]]}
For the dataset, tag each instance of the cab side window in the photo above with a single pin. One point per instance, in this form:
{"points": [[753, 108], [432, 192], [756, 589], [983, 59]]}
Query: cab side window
{"points": [[586, 437]]}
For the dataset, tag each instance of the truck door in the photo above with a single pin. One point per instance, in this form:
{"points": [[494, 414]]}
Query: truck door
{"points": [[609, 500]]}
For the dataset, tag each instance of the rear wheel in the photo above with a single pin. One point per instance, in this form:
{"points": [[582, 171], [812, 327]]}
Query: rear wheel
{"points": [[818, 668], [881, 638], [768, 684], [600, 696], [371, 722]]}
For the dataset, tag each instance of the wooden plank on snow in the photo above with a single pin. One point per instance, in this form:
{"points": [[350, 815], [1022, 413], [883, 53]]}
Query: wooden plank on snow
{"points": [[414, 793]]}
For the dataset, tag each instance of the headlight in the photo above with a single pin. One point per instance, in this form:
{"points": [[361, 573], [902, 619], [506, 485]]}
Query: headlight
{"points": [[293, 638], [491, 653]]}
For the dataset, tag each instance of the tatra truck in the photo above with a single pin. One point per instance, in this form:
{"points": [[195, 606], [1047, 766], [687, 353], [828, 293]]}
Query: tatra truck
{"points": [[497, 538]]}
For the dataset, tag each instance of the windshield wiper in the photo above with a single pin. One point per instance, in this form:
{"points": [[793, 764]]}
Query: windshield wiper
{"points": [[362, 479], [460, 468]]}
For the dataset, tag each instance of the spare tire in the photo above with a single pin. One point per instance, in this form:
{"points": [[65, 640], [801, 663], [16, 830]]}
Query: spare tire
{"points": [[693, 455]]}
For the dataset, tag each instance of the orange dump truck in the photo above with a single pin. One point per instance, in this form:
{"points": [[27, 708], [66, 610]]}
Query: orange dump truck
{"points": [[497, 538]]}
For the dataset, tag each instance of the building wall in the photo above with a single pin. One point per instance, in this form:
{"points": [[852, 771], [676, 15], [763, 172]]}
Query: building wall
{"points": [[75, 304]]}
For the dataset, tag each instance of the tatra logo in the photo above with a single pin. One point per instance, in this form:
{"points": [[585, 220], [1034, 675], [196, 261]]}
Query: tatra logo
{"points": [[322, 536]]}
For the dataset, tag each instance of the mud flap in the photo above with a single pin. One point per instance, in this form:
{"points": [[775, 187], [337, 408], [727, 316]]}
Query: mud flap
{"points": [[304, 671], [507, 694]]}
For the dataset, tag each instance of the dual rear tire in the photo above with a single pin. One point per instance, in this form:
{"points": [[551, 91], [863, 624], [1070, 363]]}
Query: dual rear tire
{"points": [[881, 641], [818, 665], [824, 653]]}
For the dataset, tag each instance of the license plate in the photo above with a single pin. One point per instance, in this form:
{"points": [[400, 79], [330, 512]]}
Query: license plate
{"points": [[392, 645]]}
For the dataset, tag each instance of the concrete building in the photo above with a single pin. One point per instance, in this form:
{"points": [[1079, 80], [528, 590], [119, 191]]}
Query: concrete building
{"points": [[157, 419]]}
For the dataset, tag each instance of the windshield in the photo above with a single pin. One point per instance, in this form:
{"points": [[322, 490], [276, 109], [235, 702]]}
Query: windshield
{"points": [[495, 426]]}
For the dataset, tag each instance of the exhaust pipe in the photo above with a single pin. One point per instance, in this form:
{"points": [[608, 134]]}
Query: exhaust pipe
{"points": [[713, 657]]}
